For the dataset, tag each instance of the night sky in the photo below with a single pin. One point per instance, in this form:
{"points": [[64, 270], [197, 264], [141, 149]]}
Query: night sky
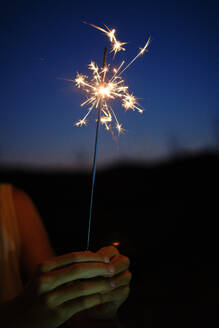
{"points": [[176, 81]]}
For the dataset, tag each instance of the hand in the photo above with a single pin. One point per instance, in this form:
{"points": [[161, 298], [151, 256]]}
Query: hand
{"points": [[60, 288], [119, 282]]}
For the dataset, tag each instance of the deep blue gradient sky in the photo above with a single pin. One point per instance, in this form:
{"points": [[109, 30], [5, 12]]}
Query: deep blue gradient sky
{"points": [[178, 80]]}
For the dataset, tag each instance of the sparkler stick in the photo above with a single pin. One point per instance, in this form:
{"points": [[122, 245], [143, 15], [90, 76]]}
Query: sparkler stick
{"points": [[95, 152]]}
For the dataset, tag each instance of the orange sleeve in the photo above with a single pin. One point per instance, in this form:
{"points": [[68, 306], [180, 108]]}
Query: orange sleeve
{"points": [[35, 245]]}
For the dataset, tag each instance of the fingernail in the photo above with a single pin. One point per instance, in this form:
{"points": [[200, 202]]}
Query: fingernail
{"points": [[106, 260], [112, 283]]}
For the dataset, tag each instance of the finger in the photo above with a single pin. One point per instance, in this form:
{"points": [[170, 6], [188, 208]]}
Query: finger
{"points": [[51, 280], [108, 251], [87, 287], [120, 263], [121, 279], [117, 296], [70, 308], [74, 257], [80, 288]]}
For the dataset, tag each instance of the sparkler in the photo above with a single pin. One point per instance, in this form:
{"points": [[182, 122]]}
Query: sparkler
{"points": [[95, 152], [101, 90]]}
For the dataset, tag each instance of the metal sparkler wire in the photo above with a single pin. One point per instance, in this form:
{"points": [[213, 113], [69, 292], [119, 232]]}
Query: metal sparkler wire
{"points": [[95, 155]]}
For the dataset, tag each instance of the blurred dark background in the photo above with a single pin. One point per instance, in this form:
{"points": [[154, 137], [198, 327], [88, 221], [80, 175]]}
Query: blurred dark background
{"points": [[163, 215]]}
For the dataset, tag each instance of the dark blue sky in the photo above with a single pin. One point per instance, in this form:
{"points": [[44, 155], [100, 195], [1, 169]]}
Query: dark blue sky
{"points": [[177, 79]]}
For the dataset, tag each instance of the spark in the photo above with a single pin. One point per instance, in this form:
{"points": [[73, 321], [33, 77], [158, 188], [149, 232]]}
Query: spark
{"points": [[81, 122], [141, 52], [116, 45], [100, 91], [106, 84], [129, 101]]}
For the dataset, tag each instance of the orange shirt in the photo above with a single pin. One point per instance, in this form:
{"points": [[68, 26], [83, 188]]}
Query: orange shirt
{"points": [[10, 278]]}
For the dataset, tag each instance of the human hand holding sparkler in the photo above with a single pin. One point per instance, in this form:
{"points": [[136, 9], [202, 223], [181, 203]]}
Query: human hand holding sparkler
{"points": [[113, 290], [61, 287], [66, 285], [114, 297]]}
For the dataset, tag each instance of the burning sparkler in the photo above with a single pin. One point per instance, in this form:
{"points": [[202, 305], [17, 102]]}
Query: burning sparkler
{"points": [[101, 90], [109, 89]]}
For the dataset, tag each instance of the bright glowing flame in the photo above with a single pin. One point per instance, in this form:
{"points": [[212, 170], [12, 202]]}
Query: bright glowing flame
{"points": [[79, 80], [116, 45], [100, 89], [116, 243], [104, 91], [81, 122]]}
